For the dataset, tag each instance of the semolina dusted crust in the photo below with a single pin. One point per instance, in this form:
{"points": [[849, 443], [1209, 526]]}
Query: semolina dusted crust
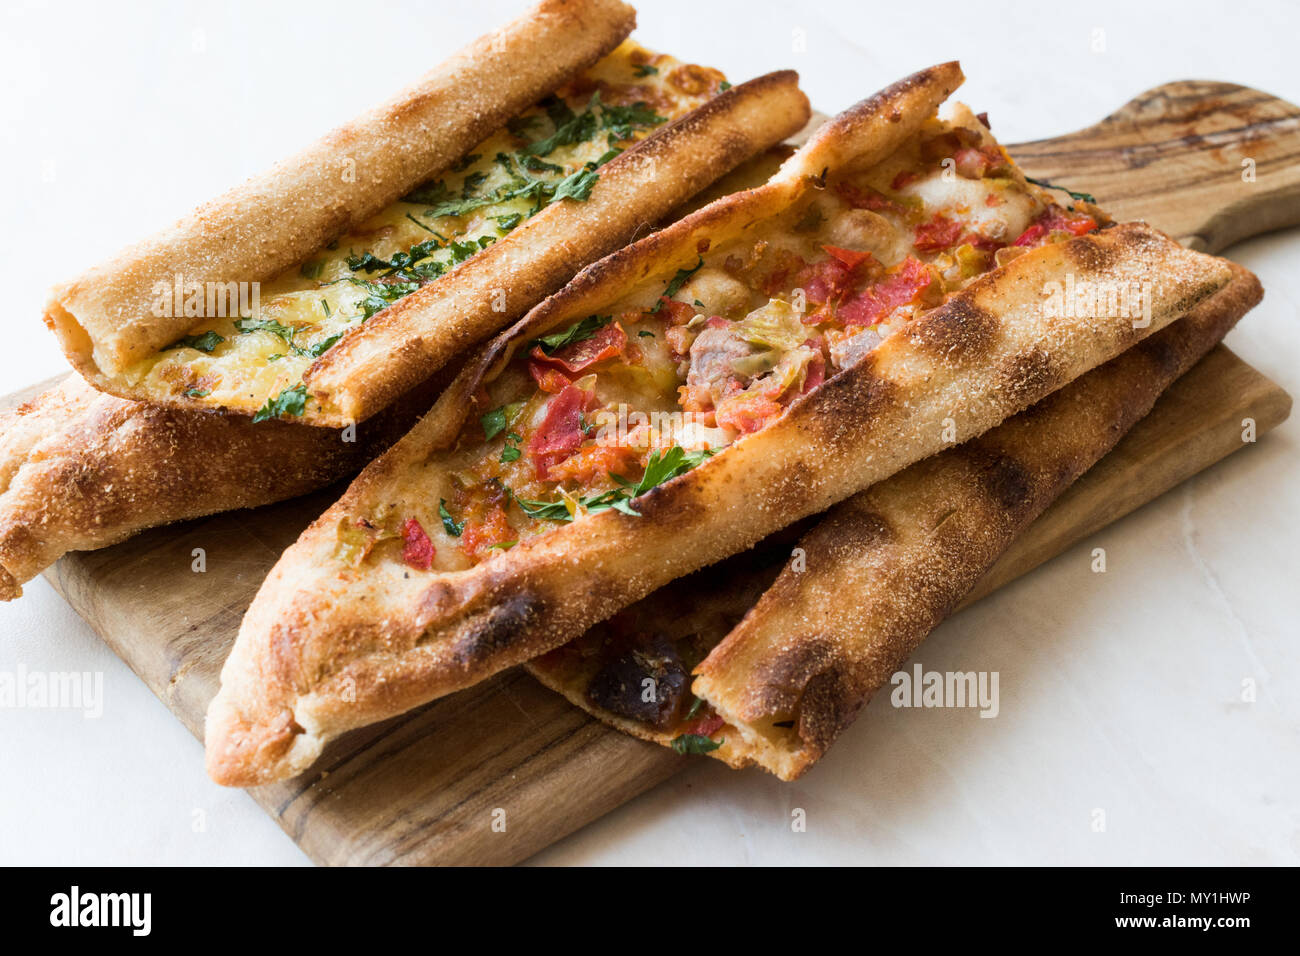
{"points": [[326, 647], [103, 318], [793, 653], [80, 469], [399, 346], [256, 232]]}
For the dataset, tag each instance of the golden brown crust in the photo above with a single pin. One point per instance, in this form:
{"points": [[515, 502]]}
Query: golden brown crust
{"points": [[81, 470], [104, 318], [392, 640], [422, 331], [887, 565]]}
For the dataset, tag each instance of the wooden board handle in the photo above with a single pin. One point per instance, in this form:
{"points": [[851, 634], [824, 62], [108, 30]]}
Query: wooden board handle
{"points": [[1209, 163]]}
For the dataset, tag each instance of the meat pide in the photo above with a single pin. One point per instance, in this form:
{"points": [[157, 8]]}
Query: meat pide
{"points": [[882, 296], [372, 279], [750, 665]]}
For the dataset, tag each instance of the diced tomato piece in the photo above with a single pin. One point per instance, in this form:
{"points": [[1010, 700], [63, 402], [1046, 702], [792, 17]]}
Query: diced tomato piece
{"points": [[1078, 224], [705, 726], [560, 433], [937, 234], [1056, 220], [596, 461], [904, 179], [677, 313], [981, 241], [1031, 235], [576, 358], [548, 379], [494, 528], [816, 373], [850, 257], [417, 549], [747, 414], [875, 303]]}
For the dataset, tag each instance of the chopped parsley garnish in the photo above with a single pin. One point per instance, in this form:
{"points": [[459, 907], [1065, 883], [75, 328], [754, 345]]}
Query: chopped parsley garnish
{"points": [[572, 127], [423, 226], [311, 270], [544, 510], [286, 333], [283, 332], [511, 451], [724, 86], [451, 526], [577, 332], [659, 469], [577, 186], [644, 332], [198, 392], [676, 282], [1084, 197], [205, 342], [465, 162], [536, 165], [494, 422], [695, 744], [569, 128], [291, 401], [321, 347], [645, 69], [506, 223]]}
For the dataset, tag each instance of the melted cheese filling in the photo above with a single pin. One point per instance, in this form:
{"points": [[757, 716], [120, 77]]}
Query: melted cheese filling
{"points": [[545, 154]]}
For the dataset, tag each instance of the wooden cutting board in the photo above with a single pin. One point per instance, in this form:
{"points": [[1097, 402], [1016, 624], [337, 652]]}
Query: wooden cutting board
{"points": [[422, 788]]}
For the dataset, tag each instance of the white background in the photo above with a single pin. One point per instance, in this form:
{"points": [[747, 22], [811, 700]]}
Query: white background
{"points": [[1118, 691]]}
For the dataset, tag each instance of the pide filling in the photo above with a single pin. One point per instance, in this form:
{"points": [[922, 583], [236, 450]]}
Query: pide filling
{"points": [[552, 152], [592, 415]]}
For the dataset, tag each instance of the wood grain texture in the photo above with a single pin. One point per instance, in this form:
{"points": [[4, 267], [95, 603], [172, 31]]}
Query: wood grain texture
{"points": [[1174, 157], [423, 787]]}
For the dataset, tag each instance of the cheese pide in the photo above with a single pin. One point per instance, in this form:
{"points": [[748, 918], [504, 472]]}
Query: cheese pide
{"points": [[881, 297], [550, 153], [382, 268]]}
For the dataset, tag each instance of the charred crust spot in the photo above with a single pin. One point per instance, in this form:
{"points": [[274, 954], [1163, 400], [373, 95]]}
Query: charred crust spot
{"points": [[497, 629], [783, 678], [863, 530], [957, 332], [843, 405], [1164, 353], [1096, 254], [830, 702], [1005, 480], [619, 686], [1028, 376]]}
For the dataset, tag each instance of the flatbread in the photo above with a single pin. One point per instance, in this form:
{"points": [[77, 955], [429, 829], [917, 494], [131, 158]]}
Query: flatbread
{"points": [[104, 319], [790, 652], [465, 248], [376, 609]]}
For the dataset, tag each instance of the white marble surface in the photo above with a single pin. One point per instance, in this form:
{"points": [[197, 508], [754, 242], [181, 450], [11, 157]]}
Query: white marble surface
{"points": [[1118, 691]]}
